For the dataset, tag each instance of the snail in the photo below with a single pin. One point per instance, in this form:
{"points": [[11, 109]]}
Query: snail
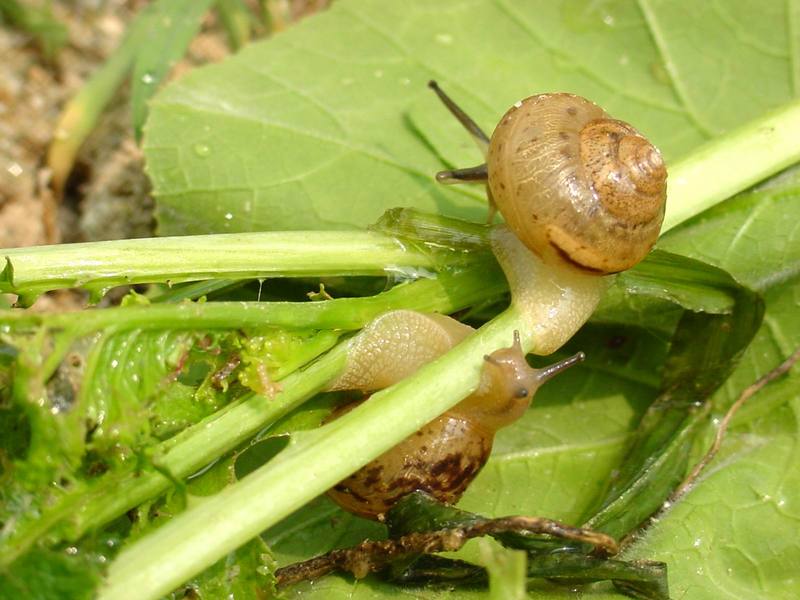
{"points": [[583, 197], [445, 455], [576, 186]]}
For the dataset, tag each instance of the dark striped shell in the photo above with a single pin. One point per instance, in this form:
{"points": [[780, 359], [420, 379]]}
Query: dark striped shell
{"points": [[441, 459], [575, 185]]}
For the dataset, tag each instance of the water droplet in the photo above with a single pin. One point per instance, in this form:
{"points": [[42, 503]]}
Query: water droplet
{"points": [[72, 550], [114, 363], [697, 542], [444, 38], [405, 81], [202, 150], [148, 79], [609, 20], [15, 169], [228, 216]]}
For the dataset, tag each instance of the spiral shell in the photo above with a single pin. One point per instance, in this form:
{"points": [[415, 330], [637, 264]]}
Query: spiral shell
{"points": [[441, 459], [575, 185]]}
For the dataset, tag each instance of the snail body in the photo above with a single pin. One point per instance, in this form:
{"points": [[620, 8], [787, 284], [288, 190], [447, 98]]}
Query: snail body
{"points": [[445, 455]]}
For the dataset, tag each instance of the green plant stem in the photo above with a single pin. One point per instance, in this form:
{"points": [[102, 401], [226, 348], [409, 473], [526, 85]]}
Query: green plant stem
{"points": [[197, 538], [708, 175], [733, 162], [100, 265], [449, 292]]}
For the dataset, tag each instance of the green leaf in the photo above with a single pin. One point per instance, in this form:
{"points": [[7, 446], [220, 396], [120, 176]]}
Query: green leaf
{"points": [[50, 575], [337, 108], [245, 574], [729, 528]]}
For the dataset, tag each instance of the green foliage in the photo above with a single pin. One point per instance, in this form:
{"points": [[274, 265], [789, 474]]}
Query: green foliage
{"points": [[51, 575], [338, 108]]}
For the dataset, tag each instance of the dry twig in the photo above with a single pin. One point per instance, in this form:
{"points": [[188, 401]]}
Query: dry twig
{"points": [[372, 556], [748, 393]]}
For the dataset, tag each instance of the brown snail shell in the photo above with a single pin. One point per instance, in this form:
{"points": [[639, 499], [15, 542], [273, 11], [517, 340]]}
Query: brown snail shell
{"points": [[442, 459], [575, 185]]}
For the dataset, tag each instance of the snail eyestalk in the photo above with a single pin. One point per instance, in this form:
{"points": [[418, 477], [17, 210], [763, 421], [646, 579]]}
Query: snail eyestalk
{"points": [[478, 135], [549, 372], [478, 174]]}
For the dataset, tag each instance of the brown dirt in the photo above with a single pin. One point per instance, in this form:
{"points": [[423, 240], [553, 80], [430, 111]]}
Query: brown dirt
{"points": [[108, 195]]}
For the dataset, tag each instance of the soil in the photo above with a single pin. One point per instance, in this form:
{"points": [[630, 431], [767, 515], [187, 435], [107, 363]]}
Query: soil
{"points": [[107, 195]]}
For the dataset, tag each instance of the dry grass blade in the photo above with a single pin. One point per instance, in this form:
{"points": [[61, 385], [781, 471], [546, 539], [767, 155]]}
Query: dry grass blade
{"points": [[748, 393]]}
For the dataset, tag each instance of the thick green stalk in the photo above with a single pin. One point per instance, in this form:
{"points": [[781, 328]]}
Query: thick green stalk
{"points": [[100, 265], [448, 292], [733, 162]]}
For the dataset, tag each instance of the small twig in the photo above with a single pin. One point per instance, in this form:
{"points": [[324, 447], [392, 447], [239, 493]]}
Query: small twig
{"points": [[372, 556], [748, 393]]}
